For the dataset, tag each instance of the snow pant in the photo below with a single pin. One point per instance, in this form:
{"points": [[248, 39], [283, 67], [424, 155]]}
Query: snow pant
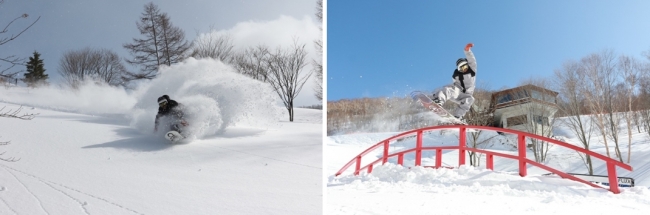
{"points": [[453, 93], [172, 124], [176, 127]]}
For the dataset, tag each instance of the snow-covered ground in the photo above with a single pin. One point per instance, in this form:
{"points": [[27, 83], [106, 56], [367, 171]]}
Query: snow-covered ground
{"points": [[93, 151], [394, 189]]}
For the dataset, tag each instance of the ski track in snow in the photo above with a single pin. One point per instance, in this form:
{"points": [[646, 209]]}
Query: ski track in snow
{"points": [[40, 204], [7, 204], [51, 184], [81, 204]]}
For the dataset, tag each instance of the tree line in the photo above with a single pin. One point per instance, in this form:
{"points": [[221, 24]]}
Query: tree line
{"points": [[393, 114], [163, 44], [607, 91]]}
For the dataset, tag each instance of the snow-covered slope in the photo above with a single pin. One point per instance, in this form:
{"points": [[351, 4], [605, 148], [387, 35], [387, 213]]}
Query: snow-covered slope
{"points": [[392, 189], [92, 151]]}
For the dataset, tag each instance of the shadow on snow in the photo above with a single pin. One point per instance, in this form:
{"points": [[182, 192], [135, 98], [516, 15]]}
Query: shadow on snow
{"points": [[135, 141]]}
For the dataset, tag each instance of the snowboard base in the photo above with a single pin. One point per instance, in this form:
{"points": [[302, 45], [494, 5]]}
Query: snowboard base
{"points": [[446, 117], [173, 136]]}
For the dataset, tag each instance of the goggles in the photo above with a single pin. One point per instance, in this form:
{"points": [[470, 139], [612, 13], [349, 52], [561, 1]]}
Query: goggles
{"points": [[162, 103], [463, 66]]}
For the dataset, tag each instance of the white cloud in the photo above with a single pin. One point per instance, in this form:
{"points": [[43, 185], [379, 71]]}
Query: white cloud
{"points": [[280, 32]]}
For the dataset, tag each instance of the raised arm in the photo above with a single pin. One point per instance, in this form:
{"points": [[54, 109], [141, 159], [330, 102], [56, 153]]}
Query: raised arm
{"points": [[471, 60]]}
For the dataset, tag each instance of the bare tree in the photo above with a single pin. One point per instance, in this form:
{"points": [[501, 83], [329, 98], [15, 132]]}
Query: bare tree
{"points": [[538, 115], [611, 99], [164, 44], [100, 65], [318, 65], [615, 116], [480, 114], [147, 51], [599, 70], [285, 77], [11, 60], [644, 94], [174, 43], [569, 83], [253, 62], [644, 97], [213, 46], [630, 71]]}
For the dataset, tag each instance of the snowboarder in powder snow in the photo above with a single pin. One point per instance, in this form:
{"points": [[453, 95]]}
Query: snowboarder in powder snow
{"points": [[170, 113], [462, 89]]}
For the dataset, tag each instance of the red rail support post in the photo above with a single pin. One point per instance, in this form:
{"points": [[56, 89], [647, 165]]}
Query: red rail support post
{"points": [[613, 180], [370, 169], [461, 147], [489, 161], [385, 152], [400, 159], [418, 149], [438, 158], [358, 165], [521, 146]]}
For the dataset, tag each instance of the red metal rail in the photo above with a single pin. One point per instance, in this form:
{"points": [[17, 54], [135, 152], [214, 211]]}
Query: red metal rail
{"points": [[462, 148]]}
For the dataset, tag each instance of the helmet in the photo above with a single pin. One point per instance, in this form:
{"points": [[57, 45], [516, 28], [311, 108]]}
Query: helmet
{"points": [[162, 101], [460, 63], [460, 60]]}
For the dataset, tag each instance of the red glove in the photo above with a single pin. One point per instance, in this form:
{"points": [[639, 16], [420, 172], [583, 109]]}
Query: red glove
{"points": [[468, 46]]}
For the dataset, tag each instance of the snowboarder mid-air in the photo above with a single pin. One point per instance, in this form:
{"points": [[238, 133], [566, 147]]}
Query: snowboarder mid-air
{"points": [[462, 89], [170, 113]]}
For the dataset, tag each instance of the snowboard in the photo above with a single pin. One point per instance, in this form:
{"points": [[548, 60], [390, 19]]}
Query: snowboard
{"points": [[174, 136], [445, 117]]}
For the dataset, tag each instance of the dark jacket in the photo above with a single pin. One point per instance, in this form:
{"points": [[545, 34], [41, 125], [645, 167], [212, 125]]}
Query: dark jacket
{"points": [[173, 111], [466, 81]]}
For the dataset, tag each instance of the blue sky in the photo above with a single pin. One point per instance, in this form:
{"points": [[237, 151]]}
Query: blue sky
{"points": [[390, 48]]}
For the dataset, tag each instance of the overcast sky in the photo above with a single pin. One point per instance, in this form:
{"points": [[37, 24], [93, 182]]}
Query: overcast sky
{"points": [[67, 25]]}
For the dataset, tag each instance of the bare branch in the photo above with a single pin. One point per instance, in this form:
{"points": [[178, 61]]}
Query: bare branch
{"points": [[213, 46], [252, 62], [10, 159], [14, 114], [12, 37], [12, 60]]}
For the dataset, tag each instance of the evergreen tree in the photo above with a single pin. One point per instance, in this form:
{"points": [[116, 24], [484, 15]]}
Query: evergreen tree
{"points": [[35, 74]]}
